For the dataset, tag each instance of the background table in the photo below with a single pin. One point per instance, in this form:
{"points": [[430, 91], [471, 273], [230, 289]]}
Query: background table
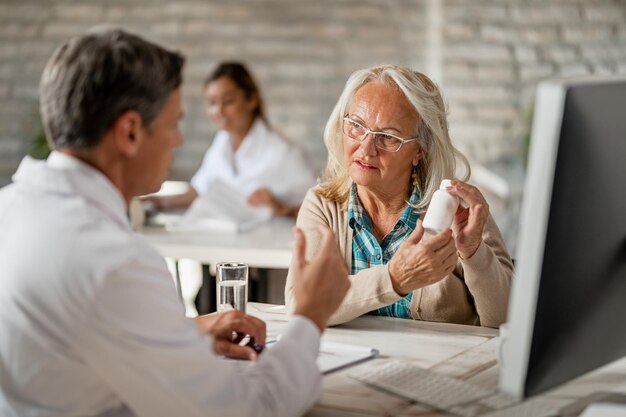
{"points": [[267, 246]]}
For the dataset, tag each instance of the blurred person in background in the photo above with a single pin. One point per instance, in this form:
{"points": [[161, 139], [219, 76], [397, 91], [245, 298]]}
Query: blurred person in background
{"points": [[246, 152], [389, 149]]}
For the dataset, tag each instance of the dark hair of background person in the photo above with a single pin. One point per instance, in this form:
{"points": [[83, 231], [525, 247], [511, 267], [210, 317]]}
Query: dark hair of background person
{"points": [[92, 79], [240, 75]]}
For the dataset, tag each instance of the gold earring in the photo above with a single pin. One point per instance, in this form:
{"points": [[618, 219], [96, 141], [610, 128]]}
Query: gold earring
{"points": [[414, 176]]}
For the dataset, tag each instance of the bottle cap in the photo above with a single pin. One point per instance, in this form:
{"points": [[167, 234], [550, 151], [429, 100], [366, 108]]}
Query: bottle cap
{"points": [[445, 184]]}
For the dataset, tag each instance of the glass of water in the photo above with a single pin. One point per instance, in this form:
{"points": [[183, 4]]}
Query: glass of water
{"points": [[232, 286]]}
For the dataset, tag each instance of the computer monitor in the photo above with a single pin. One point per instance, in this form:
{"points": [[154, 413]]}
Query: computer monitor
{"points": [[567, 311]]}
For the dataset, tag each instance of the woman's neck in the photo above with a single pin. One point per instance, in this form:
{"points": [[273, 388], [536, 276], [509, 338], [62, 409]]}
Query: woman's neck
{"points": [[381, 206], [237, 137]]}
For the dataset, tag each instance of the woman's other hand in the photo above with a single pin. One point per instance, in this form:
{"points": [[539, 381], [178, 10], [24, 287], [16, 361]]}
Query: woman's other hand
{"points": [[264, 197], [469, 222], [417, 264]]}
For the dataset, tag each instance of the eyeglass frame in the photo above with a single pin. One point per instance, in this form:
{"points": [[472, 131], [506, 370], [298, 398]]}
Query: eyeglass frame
{"points": [[369, 131]]}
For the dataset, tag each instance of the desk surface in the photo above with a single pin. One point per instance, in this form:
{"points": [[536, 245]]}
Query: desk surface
{"points": [[465, 352], [267, 246]]}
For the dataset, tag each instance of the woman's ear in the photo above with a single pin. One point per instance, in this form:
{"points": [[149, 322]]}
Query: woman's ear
{"points": [[128, 133], [253, 101], [417, 158]]}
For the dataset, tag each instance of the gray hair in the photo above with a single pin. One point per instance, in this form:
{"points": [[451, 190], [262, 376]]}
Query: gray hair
{"points": [[440, 156], [92, 79]]}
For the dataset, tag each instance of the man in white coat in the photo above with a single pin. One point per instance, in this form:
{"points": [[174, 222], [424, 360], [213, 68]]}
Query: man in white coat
{"points": [[90, 324]]}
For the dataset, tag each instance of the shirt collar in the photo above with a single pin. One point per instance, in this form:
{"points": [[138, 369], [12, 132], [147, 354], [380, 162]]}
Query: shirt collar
{"points": [[65, 174], [358, 218]]}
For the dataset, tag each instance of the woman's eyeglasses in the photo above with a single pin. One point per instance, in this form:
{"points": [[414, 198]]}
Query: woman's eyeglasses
{"points": [[385, 141]]}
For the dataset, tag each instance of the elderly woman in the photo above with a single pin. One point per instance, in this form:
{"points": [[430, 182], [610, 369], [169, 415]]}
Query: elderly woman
{"points": [[389, 149]]}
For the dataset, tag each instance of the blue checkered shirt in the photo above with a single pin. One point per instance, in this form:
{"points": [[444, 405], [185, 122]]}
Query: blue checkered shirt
{"points": [[367, 252]]}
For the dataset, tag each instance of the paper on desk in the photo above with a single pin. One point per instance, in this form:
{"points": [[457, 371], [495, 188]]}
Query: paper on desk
{"points": [[223, 209], [334, 356]]}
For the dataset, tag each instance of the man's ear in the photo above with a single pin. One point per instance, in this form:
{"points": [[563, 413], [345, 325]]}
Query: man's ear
{"points": [[128, 133]]}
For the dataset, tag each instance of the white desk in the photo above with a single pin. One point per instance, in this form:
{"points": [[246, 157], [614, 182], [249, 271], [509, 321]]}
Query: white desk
{"points": [[465, 352], [267, 246]]}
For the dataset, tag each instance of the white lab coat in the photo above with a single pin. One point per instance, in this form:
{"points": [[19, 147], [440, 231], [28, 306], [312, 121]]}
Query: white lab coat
{"points": [[264, 159], [90, 323]]}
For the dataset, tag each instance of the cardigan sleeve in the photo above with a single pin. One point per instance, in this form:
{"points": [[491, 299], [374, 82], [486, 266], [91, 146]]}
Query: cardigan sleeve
{"points": [[488, 275], [370, 288]]}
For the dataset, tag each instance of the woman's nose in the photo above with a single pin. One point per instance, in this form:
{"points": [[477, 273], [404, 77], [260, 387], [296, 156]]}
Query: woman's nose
{"points": [[368, 146]]}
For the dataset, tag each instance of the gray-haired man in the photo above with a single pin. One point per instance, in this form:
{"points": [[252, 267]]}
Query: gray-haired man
{"points": [[89, 318]]}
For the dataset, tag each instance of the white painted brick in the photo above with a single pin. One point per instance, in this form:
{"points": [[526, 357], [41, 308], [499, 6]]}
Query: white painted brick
{"points": [[65, 30], [358, 12], [471, 11], [19, 30], [544, 13], [478, 52], [539, 34], [604, 69], [203, 27], [496, 74], [145, 12], [605, 13], [8, 50], [472, 93], [503, 33], [460, 112], [571, 70], [605, 53], [4, 90], [168, 28], [11, 146], [561, 54], [25, 11], [458, 31], [84, 12], [190, 9], [525, 53], [329, 30], [586, 34], [290, 30], [529, 72], [459, 71], [502, 113]]}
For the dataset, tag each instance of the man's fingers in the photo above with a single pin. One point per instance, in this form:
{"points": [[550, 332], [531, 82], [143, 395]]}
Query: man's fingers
{"points": [[242, 324], [232, 350]]}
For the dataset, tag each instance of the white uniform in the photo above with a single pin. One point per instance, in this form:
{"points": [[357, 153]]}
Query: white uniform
{"points": [[264, 159], [90, 323]]}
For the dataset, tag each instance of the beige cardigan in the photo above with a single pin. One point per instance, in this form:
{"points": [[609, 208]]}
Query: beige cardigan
{"points": [[476, 292]]}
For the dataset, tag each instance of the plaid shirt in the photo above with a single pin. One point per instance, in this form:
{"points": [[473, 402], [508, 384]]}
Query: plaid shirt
{"points": [[367, 252]]}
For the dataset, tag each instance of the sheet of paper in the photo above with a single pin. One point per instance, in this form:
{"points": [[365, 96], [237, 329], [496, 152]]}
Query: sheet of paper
{"points": [[223, 209], [334, 356]]}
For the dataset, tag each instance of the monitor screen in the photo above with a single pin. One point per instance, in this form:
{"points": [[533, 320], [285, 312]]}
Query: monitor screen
{"points": [[568, 304]]}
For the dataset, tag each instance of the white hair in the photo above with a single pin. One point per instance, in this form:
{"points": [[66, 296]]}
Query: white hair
{"points": [[440, 156]]}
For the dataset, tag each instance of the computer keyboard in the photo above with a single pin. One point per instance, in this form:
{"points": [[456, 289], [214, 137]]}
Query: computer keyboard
{"points": [[445, 393], [418, 384]]}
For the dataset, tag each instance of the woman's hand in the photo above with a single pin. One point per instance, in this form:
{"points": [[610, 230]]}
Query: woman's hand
{"points": [[469, 222], [417, 264], [264, 197]]}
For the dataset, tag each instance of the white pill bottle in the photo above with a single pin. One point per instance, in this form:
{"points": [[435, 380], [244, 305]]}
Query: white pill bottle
{"points": [[441, 211]]}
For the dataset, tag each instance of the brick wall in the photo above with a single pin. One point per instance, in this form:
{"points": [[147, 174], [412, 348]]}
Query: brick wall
{"points": [[488, 55], [301, 53], [496, 51]]}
